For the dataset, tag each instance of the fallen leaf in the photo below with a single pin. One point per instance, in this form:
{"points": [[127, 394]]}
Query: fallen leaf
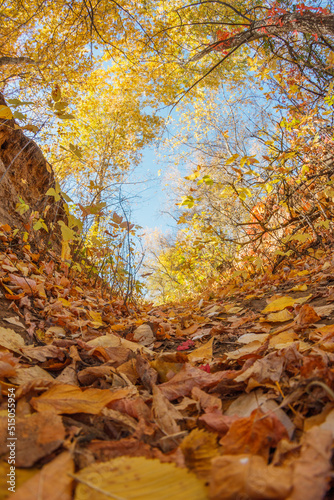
{"points": [[203, 353], [267, 369], [52, 482], [198, 449], [279, 317], [299, 288], [255, 434], [64, 398], [14, 321], [247, 338], [137, 478], [283, 339], [37, 435], [324, 311], [164, 413], [248, 477], [245, 350], [8, 364], [188, 378], [25, 375], [312, 470], [11, 340], [144, 335], [279, 304], [306, 316]]}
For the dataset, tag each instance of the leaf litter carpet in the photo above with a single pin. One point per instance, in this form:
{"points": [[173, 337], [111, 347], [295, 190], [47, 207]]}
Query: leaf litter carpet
{"points": [[226, 397]]}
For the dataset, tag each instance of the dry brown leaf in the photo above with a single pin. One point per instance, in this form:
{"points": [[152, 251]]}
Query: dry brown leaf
{"points": [[267, 369], [11, 340], [144, 335], [52, 482], [312, 470], [306, 316], [255, 434], [283, 339], [8, 364], [249, 477], [147, 374], [42, 353], [247, 349], [14, 321], [26, 375], [247, 338], [164, 413], [37, 435], [188, 378], [206, 400]]}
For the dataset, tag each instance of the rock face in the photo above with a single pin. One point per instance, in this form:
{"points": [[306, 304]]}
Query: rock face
{"points": [[24, 172]]}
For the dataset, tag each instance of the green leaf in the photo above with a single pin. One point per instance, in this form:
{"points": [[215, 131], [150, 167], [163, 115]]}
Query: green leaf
{"points": [[19, 115], [16, 103]]}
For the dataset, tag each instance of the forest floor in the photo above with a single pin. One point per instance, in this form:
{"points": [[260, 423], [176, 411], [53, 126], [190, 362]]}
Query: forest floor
{"points": [[226, 397]]}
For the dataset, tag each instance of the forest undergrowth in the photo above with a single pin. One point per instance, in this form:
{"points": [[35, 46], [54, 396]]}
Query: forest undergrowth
{"points": [[228, 396]]}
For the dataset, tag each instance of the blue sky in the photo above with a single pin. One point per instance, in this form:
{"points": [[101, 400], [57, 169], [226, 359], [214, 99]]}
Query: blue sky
{"points": [[149, 197]]}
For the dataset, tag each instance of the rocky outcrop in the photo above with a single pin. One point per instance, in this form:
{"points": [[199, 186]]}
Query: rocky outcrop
{"points": [[25, 173]]}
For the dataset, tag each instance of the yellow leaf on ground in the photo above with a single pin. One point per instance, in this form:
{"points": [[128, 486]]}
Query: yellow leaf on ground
{"points": [[283, 339], [279, 304], [138, 478], [245, 350], [203, 353], [279, 317], [299, 288], [302, 300], [64, 398]]}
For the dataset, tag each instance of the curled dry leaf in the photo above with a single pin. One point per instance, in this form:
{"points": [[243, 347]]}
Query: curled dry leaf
{"points": [[8, 364], [306, 316]]}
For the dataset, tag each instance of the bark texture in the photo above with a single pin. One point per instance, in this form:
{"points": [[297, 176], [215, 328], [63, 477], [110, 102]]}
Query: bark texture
{"points": [[308, 23]]}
